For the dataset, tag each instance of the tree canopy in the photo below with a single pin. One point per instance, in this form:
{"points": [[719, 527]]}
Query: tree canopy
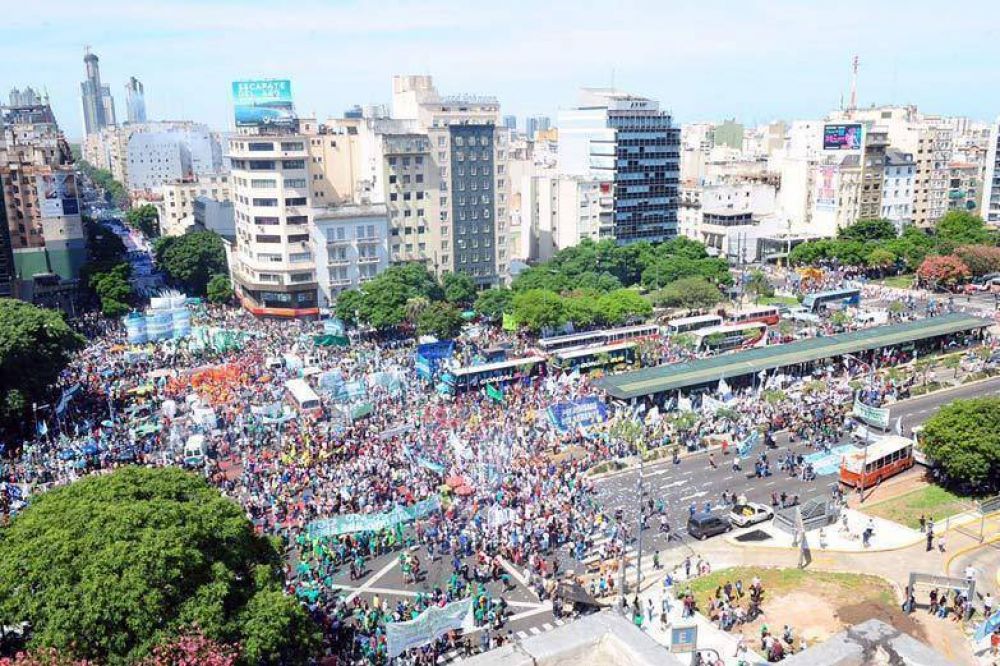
{"points": [[492, 303], [146, 219], [442, 320], [191, 260], [114, 191], [382, 301], [963, 437], [959, 227], [458, 288], [693, 293], [219, 289], [537, 309], [35, 345], [111, 566]]}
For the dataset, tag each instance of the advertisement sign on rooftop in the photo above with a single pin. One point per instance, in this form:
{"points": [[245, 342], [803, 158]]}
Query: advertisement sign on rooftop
{"points": [[842, 137], [263, 102]]}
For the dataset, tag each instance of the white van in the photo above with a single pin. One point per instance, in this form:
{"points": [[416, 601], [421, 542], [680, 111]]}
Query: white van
{"points": [[195, 451], [303, 397]]}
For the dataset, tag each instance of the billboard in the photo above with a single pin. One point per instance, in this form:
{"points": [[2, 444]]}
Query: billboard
{"points": [[57, 195], [842, 137], [263, 102], [827, 182]]}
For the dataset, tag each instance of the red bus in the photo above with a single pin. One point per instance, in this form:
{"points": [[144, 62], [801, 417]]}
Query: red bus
{"points": [[767, 314], [885, 457]]}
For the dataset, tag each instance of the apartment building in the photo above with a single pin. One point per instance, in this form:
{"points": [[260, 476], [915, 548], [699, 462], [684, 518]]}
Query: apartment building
{"points": [[562, 210], [350, 246], [272, 261], [897, 188], [469, 151], [989, 206], [175, 201], [42, 244], [964, 185]]}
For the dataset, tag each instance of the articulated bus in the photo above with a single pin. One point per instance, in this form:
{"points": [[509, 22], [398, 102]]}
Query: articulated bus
{"points": [[592, 338], [885, 457], [817, 302], [767, 314], [730, 336], [477, 376], [691, 324], [595, 357]]}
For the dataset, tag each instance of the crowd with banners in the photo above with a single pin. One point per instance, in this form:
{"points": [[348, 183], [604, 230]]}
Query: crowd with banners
{"points": [[386, 463]]}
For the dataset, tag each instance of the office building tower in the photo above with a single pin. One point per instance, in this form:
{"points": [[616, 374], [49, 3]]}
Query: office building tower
{"points": [[135, 101], [98, 104], [626, 140], [510, 122]]}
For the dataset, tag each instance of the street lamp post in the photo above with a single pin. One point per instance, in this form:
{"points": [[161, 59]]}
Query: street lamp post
{"points": [[870, 372]]}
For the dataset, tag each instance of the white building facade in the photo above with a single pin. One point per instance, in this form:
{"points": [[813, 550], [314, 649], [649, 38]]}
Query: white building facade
{"points": [[350, 245]]}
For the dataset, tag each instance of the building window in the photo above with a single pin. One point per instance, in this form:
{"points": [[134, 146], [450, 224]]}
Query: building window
{"points": [[261, 165], [262, 183], [267, 203], [292, 145], [295, 201], [265, 220], [262, 238], [297, 219], [292, 164], [298, 238], [258, 146]]}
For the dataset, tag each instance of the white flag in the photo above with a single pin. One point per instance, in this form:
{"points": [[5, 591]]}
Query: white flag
{"points": [[898, 428]]}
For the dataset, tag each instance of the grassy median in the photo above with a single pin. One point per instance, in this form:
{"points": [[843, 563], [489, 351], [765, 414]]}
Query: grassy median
{"points": [[934, 502]]}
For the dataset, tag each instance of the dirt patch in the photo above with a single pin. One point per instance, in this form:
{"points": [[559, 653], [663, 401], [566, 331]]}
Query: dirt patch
{"points": [[857, 613]]}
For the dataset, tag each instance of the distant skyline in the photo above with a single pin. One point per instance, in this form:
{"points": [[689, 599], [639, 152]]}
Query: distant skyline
{"points": [[754, 60]]}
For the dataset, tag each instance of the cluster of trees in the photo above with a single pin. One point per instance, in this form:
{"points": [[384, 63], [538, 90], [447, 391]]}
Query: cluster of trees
{"points": [[146, 219], [102, 178], [592, 284], [963, 437], [538, 309], [192, 260], [606, 266], [959, 246], [35, 345], [872, 244], [106, 273], [409, 295], [119, 569]]}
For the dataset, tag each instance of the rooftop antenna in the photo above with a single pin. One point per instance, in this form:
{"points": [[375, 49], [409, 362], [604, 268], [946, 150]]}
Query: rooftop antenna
{"points": [[854, 84], [612, 78]]}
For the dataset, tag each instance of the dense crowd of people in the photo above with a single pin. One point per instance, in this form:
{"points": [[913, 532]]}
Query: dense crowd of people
{"points": [[511, 486]]}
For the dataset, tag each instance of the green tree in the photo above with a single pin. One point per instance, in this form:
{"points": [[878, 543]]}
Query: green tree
{"points": [[219, 289], [442, 320], [849, 253], [114, 191], [146, 219], [415, 306], [759, 285], [35, 346], [693, 293], [191, 260], [619, 306], [880, 258], [582, 308], [959, 227], [810, 252], [110, 566], [671, 268], [492, 303], [348, 305], [113, 289], [866, 231], [912, 247], [963, 437], [459, 288], [537, 309]]}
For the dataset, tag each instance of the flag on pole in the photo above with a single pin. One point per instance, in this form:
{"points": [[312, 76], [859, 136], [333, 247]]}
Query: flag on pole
{"points": [[898, 428]]}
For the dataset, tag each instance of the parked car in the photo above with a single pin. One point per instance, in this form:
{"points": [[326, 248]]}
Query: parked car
{"points": [[751, 513], [704, 525]]}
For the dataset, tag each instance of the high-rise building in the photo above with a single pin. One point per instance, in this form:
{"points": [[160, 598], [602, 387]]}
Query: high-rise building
{"points": [[628, 141], [135, 100], [272, 262], [897, 188], [535, 124], [42, 244], [990, 206], [469, 154], [98, 104], [510, 122]]}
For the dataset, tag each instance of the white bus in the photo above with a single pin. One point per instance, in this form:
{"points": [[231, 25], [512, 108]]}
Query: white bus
{"points": [[302, 395], [690, 324], [593, 338], [730, 336]]}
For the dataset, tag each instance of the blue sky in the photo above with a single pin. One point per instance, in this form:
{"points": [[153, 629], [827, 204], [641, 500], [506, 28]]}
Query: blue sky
{"points": [[705, 60]]}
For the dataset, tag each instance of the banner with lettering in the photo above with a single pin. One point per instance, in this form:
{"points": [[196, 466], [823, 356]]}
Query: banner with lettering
{"points": [[372, 522], [581, 413], [428, 626]]}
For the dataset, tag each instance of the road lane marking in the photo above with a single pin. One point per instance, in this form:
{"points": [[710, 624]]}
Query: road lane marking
{"points": [[373, 579], [534, 630]]}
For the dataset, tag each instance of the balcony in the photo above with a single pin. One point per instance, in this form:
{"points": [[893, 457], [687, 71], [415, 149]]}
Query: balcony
{"points": [[368, 260], [332, 242], [337, 283], [335, 263]]}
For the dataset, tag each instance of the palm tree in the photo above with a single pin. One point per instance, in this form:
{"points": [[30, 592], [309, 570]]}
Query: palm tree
{"points": [[415, 306]]}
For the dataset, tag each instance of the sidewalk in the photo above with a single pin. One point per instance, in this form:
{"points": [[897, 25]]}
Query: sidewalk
{"points": [[887, 535]]}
